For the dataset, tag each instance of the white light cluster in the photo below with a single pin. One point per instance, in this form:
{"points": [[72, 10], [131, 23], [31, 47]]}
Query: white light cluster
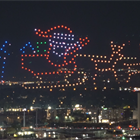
{"points": [[61, 41]]}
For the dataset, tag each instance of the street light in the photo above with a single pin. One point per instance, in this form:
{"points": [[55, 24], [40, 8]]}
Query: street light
{"points": [[49, 107]]}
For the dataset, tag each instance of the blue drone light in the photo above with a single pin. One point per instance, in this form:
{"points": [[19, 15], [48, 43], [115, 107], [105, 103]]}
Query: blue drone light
{"points": [[4, 54]]}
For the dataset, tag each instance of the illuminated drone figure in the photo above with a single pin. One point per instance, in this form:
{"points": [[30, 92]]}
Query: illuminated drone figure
{"points": [[64, 46], [61, 44], [117, 64], [65, 43], [3, 57]]}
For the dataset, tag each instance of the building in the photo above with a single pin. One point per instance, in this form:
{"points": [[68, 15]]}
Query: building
{"points": [[111, 115], [135, 114], [58, 114], [10, 117]]}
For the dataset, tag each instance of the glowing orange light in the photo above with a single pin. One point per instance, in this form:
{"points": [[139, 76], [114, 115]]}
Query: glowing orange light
{"points": [[119, 127], [45, 73]]}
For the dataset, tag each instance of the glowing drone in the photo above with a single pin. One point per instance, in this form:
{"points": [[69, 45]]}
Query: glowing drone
{"points": [[3, 56], [65, 42]]}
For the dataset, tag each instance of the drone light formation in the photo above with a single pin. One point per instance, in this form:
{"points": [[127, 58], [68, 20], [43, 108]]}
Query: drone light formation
{"points": [[109, 65], [3, 56], [63, 45], [65, 42]]}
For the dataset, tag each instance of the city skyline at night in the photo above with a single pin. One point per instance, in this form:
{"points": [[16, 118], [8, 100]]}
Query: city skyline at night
{"points": [[108, 61], [69, 69]]}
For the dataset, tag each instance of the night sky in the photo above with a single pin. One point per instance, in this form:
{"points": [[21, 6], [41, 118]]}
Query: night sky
{"points": [[100, 21]]}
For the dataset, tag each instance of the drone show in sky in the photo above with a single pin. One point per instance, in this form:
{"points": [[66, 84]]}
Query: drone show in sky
{"points": [[56, 60]]}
